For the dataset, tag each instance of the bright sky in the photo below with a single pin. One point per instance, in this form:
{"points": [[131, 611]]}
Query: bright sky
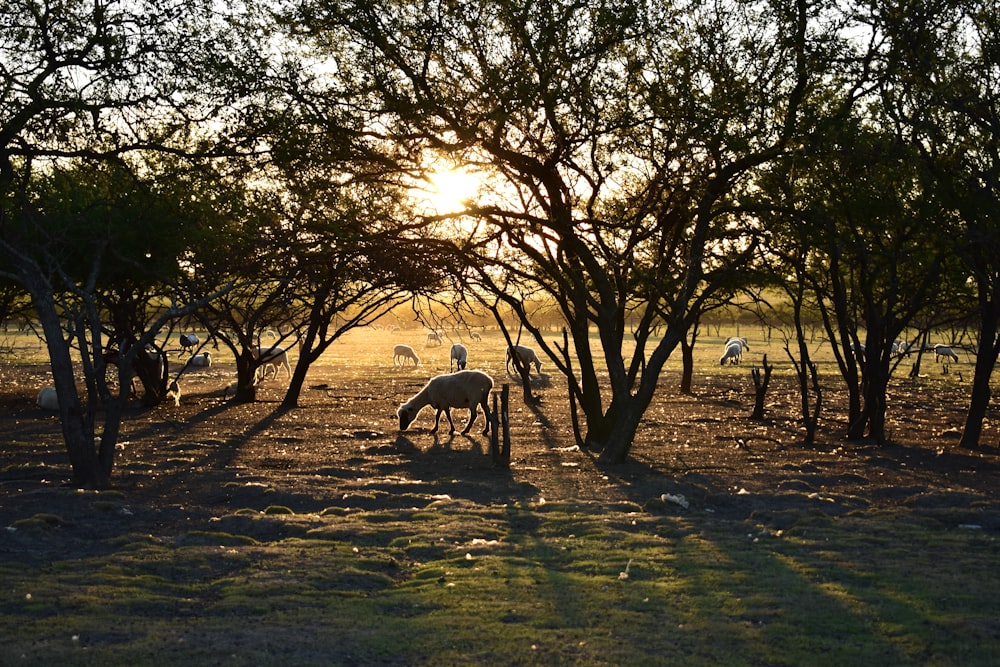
{"points": [[449, 190]]}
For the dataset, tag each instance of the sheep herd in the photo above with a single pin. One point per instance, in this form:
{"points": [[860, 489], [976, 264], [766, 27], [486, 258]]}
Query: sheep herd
{"points": [[460, 388], [734, 347]]}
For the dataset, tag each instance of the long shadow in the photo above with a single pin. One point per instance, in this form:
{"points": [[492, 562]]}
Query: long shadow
{"points": [[376, 473], [536, 408]]}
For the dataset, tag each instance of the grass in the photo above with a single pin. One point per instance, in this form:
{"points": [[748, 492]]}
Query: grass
{"points": [[559, 583]]}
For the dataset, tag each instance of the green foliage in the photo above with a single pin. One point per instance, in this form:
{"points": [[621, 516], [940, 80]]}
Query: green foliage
{"points": [[89, 210]]}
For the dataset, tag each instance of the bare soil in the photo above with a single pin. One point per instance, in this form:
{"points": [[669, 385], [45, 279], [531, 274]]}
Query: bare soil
{"points": [[342, 447]]}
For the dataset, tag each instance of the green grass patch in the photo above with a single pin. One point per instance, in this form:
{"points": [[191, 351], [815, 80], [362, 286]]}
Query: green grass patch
{"points": [[565, 583]]}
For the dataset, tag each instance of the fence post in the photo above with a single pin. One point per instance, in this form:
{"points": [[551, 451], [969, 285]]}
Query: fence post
{"points": [[495, 433], [504, 416]]}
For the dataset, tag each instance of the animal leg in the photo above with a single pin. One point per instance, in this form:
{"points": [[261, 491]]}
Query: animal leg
{"points": [[473, 413], [486, 415]]}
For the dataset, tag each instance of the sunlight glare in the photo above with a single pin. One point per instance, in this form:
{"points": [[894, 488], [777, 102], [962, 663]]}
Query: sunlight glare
{"points": [[451, 190]]}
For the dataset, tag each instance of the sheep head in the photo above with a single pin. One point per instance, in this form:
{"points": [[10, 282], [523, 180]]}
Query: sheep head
{"points": [[406, 416]]}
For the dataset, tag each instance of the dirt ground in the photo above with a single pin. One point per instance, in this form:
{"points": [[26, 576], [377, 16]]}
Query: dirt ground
{"points": [[342, 447]]}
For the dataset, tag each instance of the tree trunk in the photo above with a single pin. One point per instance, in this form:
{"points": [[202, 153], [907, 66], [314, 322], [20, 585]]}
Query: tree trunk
{"points": [[986, 359], [307, 355], [876, 387], [812, 421], [246, 378], [78, 434], [294, 391], [687, 358], [760, 386], [627, 409], [622, 423], [857, 416]]}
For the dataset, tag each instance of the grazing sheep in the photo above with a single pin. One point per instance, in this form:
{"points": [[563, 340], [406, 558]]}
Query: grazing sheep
{"points": [[464, 389], [733, 351], [273, 357], [742, 341], [188, 342], [404, 352], [202, 360], [48, 399], [944, 351], [527, 357], [475, 336], [460, 356], [433, 337]]}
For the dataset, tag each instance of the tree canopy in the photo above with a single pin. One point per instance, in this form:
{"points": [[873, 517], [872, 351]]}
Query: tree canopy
{"points": [[638, 164]]}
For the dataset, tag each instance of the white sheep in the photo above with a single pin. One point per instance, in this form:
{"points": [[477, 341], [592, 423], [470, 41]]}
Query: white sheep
{"points": [[273, 357], [404, 352], [202, 360], [460, 357], [733, 351], [900, 348], [527, 357], [433, 337], [464, 389], [48, 399], [741, 340], [944, 351]]}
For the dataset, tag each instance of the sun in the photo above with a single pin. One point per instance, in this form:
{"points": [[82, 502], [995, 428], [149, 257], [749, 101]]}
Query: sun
{"points": [[450, 190]]}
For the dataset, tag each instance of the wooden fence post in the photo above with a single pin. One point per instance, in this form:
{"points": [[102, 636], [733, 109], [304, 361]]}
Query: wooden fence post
{"points": [[505, 420], [495, 433]]}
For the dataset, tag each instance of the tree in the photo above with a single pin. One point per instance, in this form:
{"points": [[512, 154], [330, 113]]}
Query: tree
{"points": [[617, 143], [357, 265], [84, 83], [875, 258], [83, 239], [941, 83], [347, 212]]}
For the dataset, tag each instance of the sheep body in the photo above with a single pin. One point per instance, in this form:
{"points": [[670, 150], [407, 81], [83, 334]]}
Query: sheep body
{"points": [[404, 352], [944, 351], [527, 357], [202, 360], [433, 337], [733, 351], [464, 389], [476, 336], [274, 357], [741, 340], [188, 341], [48, 399], [460, 356]]}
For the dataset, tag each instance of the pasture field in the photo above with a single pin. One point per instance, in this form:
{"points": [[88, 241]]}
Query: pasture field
{"points": [[236, 535]]}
